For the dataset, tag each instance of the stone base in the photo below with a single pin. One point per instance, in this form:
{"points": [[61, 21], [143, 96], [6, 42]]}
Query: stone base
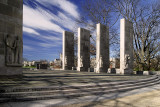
{"points": [[126, 71], [64, 68], [74, 68], [139, 72], [67, 68], [10, 70], [143, 73], [80, 69], [118, 71], [98, 70], [146, 73], [113, 70], [101, 70], [90, 69]]}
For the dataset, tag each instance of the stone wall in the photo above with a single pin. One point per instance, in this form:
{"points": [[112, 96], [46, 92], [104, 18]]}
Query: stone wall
{"points": [[11, 12]]}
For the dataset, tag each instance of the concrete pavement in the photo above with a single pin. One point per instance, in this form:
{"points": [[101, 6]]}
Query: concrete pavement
{"points": [[144, 97]]}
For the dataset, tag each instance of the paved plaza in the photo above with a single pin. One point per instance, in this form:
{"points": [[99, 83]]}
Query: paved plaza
{"points": [[145, 98], [45, 78]]}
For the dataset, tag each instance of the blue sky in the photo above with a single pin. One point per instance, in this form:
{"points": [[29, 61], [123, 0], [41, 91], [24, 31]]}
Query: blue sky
{"points": [[43, 24]]}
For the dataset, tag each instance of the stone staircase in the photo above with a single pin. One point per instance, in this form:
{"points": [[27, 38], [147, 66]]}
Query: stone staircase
{"points": [[71, 92]]}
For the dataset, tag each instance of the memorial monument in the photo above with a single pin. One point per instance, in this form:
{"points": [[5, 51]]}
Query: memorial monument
{"points": [[126, 47], [68, 50], [83, 49], [11, 41], [102, 48]]}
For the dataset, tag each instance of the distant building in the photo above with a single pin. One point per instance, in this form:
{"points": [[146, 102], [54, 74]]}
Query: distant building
{"points": [[41, 65], [33, 63], [25, 63], [58, 62], [29, 63], [51, 63]]}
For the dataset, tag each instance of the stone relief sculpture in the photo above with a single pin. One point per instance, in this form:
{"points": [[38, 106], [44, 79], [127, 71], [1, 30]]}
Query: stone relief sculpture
{"points": [[101, 62], [9, 48], [81, 61], [13, 50], [127, 58], [18, 50], [65, 60]]}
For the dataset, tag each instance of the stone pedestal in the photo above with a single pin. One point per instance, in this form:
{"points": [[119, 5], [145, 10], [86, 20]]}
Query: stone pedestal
{"points": [[126, 47], [90, 69], [102, 48], [11, 41], [83, 49], [68, 50]]}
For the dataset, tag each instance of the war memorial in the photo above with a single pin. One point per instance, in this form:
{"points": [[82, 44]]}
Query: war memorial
{"points": [[102, 49], [47, 88]]}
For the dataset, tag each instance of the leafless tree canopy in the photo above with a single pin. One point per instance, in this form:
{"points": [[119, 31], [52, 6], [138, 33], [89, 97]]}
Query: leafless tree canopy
{"points": [[99, 11], [146, 20], [145, 16]]}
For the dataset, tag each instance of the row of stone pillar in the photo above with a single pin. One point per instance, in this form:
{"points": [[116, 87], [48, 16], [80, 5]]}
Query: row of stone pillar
{"points": [[102, 48]]}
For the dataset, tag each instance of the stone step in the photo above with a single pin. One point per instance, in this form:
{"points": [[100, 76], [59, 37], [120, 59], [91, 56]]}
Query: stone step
{"points": [[72, 90], [74, 87], [74, 95]]}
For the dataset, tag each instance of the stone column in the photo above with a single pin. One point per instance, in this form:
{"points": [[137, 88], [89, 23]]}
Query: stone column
{"points": [[126, 47], [68, 50], [11, 41], [102, 48], [83, 49]]}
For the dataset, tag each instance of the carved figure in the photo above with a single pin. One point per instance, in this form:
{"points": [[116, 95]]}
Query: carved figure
{"points": [[9, 50], [127, 59], [101, 62], [81, 61], [65, 60], [18, 50], [13, 50]]}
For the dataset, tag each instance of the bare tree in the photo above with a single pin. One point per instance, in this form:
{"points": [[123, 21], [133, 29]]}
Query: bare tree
{"points": [[155, 63], [99, 11], [146, 20]]}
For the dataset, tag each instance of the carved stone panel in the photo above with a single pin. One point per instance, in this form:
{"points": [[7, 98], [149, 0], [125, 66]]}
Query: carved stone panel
{"points": [[13, 50]]}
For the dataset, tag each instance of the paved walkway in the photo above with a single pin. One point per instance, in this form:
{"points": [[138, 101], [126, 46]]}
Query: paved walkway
{"points": [[45, 78], [145, 97]]}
